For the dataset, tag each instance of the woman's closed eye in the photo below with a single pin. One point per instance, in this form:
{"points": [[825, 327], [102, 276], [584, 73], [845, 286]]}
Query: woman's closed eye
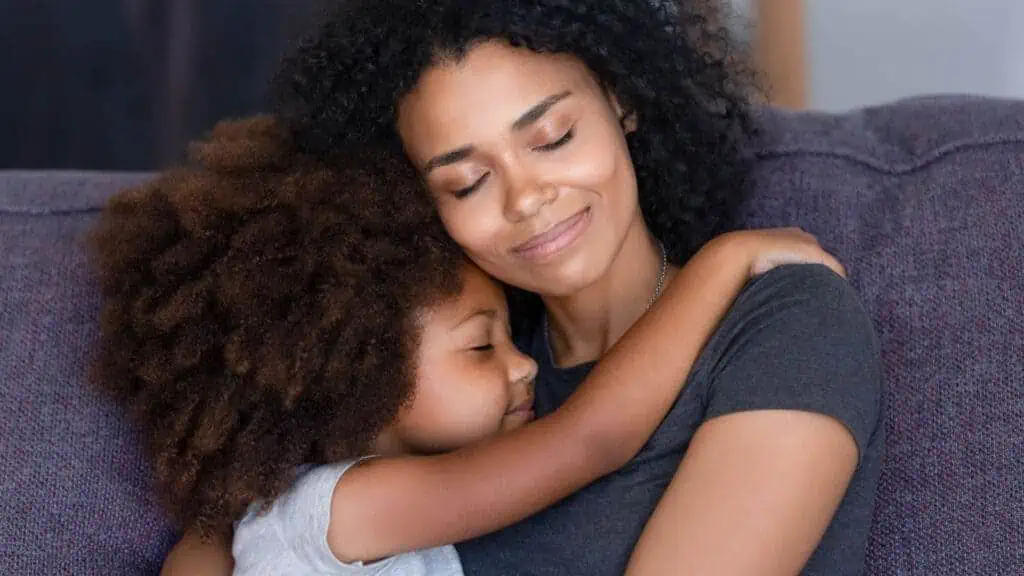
{"points": [[463, 192], [483, 347], [565, 139], [550, 146]]}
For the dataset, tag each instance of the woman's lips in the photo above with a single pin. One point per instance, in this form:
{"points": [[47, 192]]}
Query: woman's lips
{"points": [[555, 239]]}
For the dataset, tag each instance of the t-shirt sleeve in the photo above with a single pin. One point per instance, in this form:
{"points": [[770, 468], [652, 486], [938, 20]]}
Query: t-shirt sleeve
{"points": [[291, 535], [305, 513], [799, 339]]}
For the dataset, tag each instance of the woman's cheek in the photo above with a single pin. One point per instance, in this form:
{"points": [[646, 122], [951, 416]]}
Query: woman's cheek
{"points": [[596, 163], [475, 229]]}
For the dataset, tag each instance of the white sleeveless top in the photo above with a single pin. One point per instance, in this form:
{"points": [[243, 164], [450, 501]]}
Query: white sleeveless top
{"points": [[290, 538]]}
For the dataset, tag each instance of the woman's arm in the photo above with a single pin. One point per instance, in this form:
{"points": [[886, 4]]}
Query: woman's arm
{"points": [[763, 477], [753, 495], [388, 506]]}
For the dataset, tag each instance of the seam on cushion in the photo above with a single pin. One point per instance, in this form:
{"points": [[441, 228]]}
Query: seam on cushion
{"points": [[923, 162], [62, 179], [48, 212]]}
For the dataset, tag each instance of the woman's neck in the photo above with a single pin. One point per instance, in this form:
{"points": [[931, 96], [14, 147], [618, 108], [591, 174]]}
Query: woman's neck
{"points": [[582, 326]]}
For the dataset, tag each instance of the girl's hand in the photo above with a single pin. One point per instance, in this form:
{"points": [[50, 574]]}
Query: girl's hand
{"points": [[769, 248]]}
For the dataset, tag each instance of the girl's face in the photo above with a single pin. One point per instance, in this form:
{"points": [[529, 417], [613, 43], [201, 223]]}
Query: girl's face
{"points": [[525, 155], [471, 381]]}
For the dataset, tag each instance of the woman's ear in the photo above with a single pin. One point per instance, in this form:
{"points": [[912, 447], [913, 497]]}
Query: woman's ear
{"points": [[627, 120]]}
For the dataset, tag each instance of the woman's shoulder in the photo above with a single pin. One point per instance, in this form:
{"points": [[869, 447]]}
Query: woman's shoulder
{"points": [[801, 312], [810, 283], [798, 337], [809, 299]]}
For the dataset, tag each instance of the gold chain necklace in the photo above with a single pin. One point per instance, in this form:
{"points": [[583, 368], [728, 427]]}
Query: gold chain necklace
{"points": [[658, 286]]}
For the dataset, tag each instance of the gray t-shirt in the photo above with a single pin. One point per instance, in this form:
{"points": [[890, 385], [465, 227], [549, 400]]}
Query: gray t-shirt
{"points": [[797, 338], [290, 538]]}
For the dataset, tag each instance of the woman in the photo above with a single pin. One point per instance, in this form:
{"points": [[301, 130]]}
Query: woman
{"points": [[580, 152]]}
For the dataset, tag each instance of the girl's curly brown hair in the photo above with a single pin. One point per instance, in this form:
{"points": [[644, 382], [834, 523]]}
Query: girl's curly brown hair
{"points": [[259, 312]]}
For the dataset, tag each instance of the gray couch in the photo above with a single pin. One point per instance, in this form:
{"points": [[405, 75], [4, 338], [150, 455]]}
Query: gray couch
{"points": [[923, 200]]}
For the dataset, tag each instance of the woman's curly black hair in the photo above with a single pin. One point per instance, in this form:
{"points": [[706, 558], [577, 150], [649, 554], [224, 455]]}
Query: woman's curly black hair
{"points": [[671, 62], [259, 312]]}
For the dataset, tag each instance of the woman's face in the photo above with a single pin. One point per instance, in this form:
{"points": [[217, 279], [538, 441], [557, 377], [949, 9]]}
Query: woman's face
{"points": [[525, 155]]}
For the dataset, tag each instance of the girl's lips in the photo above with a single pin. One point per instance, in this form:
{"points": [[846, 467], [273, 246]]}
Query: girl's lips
{"points": [[521, 416], [524, 406], [556, 238]]}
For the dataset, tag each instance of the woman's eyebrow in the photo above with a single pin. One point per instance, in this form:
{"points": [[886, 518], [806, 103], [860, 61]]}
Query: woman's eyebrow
{"points": [[448, 158], [538, 111]]}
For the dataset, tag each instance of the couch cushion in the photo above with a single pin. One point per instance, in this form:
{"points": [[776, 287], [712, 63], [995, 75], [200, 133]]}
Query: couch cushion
{"points": [[72, 482], [924, 202]]}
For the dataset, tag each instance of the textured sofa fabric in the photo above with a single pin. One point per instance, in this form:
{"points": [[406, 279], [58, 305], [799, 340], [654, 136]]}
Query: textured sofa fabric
{"points": [[924, 203], [73, 487], [922, 199]]}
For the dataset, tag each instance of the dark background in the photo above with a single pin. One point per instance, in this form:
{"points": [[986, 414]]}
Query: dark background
{"points": [[125, 84]]}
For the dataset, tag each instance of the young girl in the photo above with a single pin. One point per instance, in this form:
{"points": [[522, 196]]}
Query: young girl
{"points": [[332, 379]]}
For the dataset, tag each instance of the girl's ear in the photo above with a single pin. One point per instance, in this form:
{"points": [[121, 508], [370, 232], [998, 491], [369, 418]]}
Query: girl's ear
{"points": [[386, 443]]}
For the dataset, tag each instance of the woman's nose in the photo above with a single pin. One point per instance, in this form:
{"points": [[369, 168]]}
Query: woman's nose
{"points": [[526, 195]]}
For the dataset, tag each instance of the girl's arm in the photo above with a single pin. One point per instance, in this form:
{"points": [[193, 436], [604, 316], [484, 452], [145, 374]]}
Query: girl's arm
{"points": [[393, 505], [192, 556]]}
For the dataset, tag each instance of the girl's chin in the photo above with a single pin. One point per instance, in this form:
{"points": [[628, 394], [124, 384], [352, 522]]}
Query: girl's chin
{"points": [[516, 419]]}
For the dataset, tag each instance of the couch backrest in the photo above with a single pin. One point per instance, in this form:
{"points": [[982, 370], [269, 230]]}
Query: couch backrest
{"points": [[923, 200], [73, 484], [924, 203]]}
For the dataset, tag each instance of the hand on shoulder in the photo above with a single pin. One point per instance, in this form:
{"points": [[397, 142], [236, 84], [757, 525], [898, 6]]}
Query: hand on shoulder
{"points": [[765, 249]]}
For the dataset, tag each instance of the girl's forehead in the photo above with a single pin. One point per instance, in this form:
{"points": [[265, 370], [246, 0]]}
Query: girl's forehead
{"points": [[480, 298], [479, 291]]}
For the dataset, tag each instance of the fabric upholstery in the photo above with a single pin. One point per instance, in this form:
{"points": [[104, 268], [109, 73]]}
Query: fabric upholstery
{"points": [[924, 203]]}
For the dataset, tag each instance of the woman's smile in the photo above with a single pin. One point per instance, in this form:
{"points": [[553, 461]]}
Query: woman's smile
{"points": [[551, 242]]}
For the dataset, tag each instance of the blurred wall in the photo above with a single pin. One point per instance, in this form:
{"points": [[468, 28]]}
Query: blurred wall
{"points": [[864, 52], [124, 84]]}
